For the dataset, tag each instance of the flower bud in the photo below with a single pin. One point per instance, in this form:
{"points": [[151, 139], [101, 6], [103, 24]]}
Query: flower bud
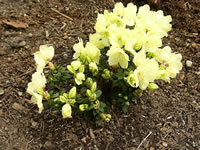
{"points": [[120, 94], [93, 97], [137, 46], [72, 92], [81, 69], [137, 93], [51, 66], [83, 107], [126, 97], [93, 66], [96, 104], [88, 93], [103, 116], [94, 87], [69, 67], [106, 74], [108, 116], [79, 78], [152, 86], [89, 82], [72, 101], [127, 103], [46, 95]]}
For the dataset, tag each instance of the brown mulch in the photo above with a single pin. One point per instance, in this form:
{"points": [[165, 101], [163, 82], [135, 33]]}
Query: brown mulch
{"points": [[166, 119]]}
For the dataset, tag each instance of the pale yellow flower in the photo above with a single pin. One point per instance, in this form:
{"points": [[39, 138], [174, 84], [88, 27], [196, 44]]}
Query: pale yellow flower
{"points": [[90, 53], [147, 69], [66, 111], [40, 63], [132, 79], [129, 16], [38, 82], [46, 52], [43, 56], [37, 99], [171, 61], [98, 40], [117, 56], [119, 9], [77, 48]]}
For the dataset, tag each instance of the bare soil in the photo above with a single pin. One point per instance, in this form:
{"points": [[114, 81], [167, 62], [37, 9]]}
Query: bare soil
{"points": [[166, 119]]}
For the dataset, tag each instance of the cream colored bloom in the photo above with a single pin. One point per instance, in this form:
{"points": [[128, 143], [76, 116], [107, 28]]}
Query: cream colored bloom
{"points": [[90, 53], [93, 66], [116, 35], [152, 41], [77, 48], [117, 56], [99, 40], [46, 52], [119, 9], [66, 111], [102, 23], [170, 61], [37, 99], [38, 81], [147, 69], [76, 65], [40, 63], [132, 79], [129, 17], [43, 56]]}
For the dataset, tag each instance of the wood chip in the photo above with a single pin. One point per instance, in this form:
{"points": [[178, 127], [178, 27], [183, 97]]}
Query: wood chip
{"points": [[91, 134], [16, 24], [19, 107]]}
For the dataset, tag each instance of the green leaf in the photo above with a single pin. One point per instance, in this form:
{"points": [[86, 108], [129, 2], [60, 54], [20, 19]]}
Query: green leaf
{"points": [[98, 93]]}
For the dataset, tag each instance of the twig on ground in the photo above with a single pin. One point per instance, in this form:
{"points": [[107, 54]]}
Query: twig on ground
{"points": [[28, 144], [67, 17], [26, 73], [144, 140]]}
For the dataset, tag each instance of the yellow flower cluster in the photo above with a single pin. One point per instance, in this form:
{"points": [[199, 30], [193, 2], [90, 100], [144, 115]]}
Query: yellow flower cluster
{"points": [[36, 86], [129, 31]]}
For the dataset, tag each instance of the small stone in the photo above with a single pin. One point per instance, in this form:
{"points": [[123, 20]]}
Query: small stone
{"points": [[194, 45], [189, 63], [47, 34], [165, 144], [20, 93], [84, 140], [1, 91], [19, 107], [34, 124], [152, 148], [30, 35], [22, 43]]}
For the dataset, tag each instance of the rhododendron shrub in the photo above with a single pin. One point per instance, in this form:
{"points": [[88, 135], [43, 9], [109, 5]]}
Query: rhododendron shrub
{"points": [[122, 58]]}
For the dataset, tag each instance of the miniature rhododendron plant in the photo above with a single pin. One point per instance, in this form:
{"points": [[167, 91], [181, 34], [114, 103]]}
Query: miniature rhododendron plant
{"points": [[122, 58]]}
